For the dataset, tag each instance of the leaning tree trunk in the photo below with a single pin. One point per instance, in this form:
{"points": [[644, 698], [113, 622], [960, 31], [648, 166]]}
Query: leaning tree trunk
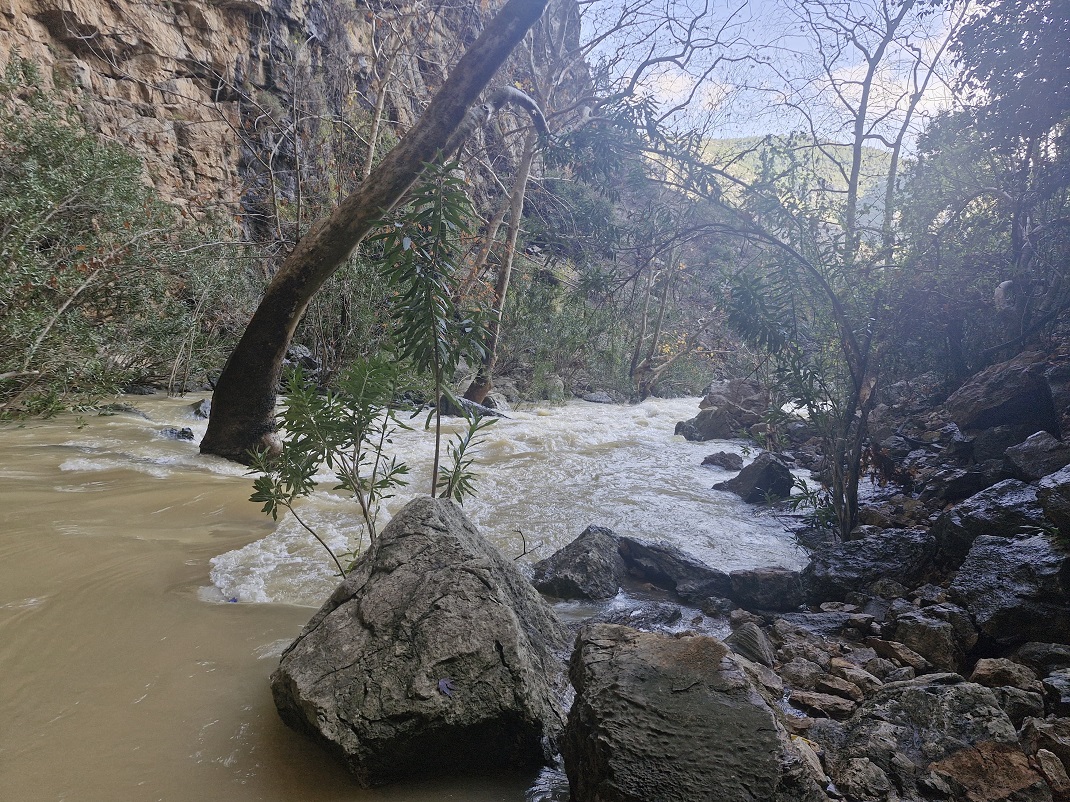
{"points": [[243, 405]]}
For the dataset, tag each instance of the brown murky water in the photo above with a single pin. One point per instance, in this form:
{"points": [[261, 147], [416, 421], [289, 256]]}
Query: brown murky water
{"points": [[126, 673]]}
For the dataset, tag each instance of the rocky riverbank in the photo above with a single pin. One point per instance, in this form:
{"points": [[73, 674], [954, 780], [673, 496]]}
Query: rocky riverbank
{"points": [[926, 658]]}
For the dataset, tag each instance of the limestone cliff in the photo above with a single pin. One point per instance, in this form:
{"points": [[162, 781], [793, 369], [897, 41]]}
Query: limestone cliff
{"points": [[206, 91]]}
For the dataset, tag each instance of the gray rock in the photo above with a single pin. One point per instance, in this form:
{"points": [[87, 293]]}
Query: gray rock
{"points": [[935, 737], [1044, 657], [764, 479], [724, 459], [1017, 589], [201, 409], [463, 408], [902, 555], [750, 642], [1006, 509], [1020, 705], [434, 655], [555, 389], [1040, 455], [172, 433], [662, 719], [767, 588], [1057, 691], [646, 616], [728, 408], [598, 397], [590, 567], [668, 567], [941, 633], [1053, 493]]}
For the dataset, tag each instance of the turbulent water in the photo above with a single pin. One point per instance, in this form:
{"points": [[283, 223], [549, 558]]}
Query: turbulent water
{"points": [[144, 601]]}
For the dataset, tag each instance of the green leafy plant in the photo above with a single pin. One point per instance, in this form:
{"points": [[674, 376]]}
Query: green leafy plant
{"points": [[347, 429], [456, 479]]}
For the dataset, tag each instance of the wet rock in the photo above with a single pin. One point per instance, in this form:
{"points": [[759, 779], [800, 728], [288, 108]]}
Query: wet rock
{"points": [[1019, 705], [824, 624], [994, 672], [768, 588], [434, 655], [900, 653], [663, 719], [671, 568], [1044, 657], [172, 433], [801, 673], [598, 397], [949, 484], [1005, 509], [934, 737], [750, 642], [902, 555], [1057, 691], [590, 567], [728, 409], [823, 705], [463, 408], [1053, 493], [1052, 734], [941, 633], [724, 459], [1012, 393], [855, 675], [1040, 455], [201, 409], [764, 479], [993, 444], [1016, 589], [554, 389]]}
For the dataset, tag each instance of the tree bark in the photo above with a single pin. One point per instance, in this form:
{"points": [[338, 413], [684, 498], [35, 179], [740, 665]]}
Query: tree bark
{"points": [[243, 405]]}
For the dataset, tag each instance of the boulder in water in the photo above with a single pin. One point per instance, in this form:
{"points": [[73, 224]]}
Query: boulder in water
{"points": [[766, 478], [728, 409], [433, 656], [590, 567], [668, 567]]}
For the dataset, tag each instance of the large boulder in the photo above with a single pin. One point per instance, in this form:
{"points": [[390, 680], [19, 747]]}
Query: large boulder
{"points": [[590, 567], [1053, 493], [941, 633], [728, 409], [901, 555], [1015, 393], [935, 737], [1017, 589], [767, 588], [1006, 509], [768, 477], [434, 655], [672, 719]]}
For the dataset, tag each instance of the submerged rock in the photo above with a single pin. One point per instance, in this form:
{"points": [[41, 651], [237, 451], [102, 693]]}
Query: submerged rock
{"points": [[671, 719], [433, 656], [764, 479], [728, 460]]}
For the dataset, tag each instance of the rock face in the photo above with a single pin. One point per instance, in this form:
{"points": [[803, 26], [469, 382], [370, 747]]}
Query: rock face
{"points": [[433, 656], [663, 719], [189, 85], [729, 408], [935, 737], [1017, 589], [590, 567], [1006, 509], [902, 555], [765, 478]]}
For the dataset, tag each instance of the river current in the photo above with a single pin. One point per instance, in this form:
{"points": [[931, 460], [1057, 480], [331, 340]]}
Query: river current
{"points": [[144, 601]]}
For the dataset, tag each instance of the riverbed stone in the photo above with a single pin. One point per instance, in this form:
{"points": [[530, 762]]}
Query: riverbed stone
{"points": [[902, 555], [768, 588], [433, 656], [941, 633], [590, 567], [728, 460], [766, 478], [750, 642], [1017, 589], [664, 719], [728, 409]]}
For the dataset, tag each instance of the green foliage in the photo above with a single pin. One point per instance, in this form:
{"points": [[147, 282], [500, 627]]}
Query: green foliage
{"points": [[457, 478], [347, 429], [99, 287]]}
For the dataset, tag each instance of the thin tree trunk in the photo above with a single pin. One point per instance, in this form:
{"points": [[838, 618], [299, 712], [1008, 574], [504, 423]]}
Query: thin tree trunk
{"points": [[484, 381], [243, 405]]}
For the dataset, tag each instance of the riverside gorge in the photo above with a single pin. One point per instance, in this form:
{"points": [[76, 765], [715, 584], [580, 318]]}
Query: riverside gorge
{"points": [[535, 400]]}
